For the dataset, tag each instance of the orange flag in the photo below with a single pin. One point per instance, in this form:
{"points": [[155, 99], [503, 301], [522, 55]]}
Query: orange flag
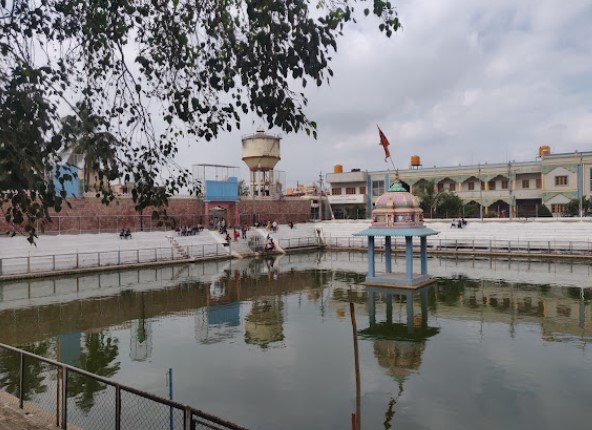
{"points": [[385, 144]]}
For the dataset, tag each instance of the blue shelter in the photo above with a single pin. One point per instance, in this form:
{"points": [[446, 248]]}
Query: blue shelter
{"points": [[397, 213]]}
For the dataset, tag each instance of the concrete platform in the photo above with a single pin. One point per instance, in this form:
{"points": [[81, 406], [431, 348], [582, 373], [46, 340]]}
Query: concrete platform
{"points": [[13, 418]]}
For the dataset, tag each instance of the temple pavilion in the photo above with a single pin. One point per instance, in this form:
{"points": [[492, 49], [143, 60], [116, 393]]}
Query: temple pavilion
{"points": [[397, 213]]}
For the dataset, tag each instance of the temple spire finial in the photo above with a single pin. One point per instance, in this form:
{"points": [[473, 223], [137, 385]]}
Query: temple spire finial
{"points": [[396, 186]]}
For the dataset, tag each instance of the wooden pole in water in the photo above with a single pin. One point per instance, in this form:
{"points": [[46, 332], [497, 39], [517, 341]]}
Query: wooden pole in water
{"points": [[357, 366], [58, 384]]}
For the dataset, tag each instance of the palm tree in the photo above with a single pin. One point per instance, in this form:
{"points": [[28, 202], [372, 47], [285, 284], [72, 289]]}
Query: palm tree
{"points": [[427, 196], [98, 149]]}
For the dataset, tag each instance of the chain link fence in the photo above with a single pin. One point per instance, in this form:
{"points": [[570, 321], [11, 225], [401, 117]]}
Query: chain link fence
{"points": [[73, 398]]}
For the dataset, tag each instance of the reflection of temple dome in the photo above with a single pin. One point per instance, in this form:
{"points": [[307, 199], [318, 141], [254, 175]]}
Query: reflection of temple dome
{"points": [[399, 358], [397, 208], [264, 325]]}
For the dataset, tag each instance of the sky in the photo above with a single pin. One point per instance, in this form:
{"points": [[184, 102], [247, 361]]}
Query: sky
{"points": [[462, 82]]}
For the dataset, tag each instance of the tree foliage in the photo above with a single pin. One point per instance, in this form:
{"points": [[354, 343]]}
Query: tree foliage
{"points": [[426, 193], [243, 188], [97, 148], [543, 211], [573, 207], [151, 72], [442, 204]]}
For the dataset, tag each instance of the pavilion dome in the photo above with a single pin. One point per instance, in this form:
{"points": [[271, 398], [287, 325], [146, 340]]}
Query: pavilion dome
{"points": [[397, 208]]}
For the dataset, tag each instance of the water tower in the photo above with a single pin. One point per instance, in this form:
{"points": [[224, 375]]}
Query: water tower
{"points": [[261, 152]]}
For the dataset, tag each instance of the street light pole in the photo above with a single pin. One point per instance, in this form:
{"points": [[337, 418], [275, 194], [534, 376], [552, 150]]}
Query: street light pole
{"points": [[581, 187]]}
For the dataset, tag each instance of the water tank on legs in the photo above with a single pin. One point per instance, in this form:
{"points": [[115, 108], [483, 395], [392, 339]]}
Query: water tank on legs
{"points": [[261, 151]]}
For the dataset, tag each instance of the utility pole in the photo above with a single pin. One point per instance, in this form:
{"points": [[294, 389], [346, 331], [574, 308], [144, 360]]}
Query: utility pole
{"points": [[320, 196], [581, 186], [511, 205]]}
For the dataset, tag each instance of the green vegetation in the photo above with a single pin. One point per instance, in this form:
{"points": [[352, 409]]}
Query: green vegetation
{"points": [[573, 207], [443, 204], [149, 74], [543, 211]]}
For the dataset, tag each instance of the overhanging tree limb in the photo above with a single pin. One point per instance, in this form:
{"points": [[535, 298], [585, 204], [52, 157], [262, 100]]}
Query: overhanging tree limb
{"points": [[200, 65]]}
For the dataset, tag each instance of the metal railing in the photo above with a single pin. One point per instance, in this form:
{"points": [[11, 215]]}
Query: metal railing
{"points": [[475, 246], [299, 242], [72, 261], [123, 407]]}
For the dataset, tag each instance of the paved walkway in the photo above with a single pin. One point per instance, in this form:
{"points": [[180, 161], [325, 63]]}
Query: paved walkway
{"points": [[13, 418]]}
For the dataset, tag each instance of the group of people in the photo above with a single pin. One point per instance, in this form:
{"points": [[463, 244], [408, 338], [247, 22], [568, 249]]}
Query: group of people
{"points": [[125, 234], [188, 231], [460, 223], [235, 234], [272, 226]]}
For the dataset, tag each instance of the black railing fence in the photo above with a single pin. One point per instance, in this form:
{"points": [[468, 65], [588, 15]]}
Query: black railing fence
{"points": [[59, 393]]}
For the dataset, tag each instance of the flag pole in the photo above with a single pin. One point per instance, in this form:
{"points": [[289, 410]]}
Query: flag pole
{"points": [[392, 162]]}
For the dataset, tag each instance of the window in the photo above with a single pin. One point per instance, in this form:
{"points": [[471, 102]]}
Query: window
{"points": [[558, 208], [471, 186], [491, 185], [440, 188], [362, 190], [350, 190], [335, 191], [560, 180], [538, 183], [526, 183], [504, 184], [377, 188], [452, 186]]}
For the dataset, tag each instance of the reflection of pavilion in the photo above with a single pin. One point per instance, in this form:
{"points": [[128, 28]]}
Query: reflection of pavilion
{"points": [[398, 347]]}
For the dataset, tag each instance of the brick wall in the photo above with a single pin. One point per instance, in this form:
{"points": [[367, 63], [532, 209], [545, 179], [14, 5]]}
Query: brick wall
{"points": [[88, 215]]}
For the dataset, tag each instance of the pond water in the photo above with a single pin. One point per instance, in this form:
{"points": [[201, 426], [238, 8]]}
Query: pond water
{"points": [[268, 344]]}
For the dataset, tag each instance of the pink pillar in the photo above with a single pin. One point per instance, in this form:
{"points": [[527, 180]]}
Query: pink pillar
{"points": [[236, 220]]}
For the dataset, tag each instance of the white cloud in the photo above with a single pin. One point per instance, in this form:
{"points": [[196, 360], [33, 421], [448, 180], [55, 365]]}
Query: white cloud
{"points": [[462, 82]]}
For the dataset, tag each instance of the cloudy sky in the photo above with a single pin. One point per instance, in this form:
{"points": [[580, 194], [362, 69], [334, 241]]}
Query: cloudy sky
{"points": [[463, 82]]}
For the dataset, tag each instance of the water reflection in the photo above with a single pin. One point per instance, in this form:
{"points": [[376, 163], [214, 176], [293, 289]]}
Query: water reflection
{"points": [[264, 324], [141, 335], [34, 378], [282, 326], [98, 355], [398, 347]]}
